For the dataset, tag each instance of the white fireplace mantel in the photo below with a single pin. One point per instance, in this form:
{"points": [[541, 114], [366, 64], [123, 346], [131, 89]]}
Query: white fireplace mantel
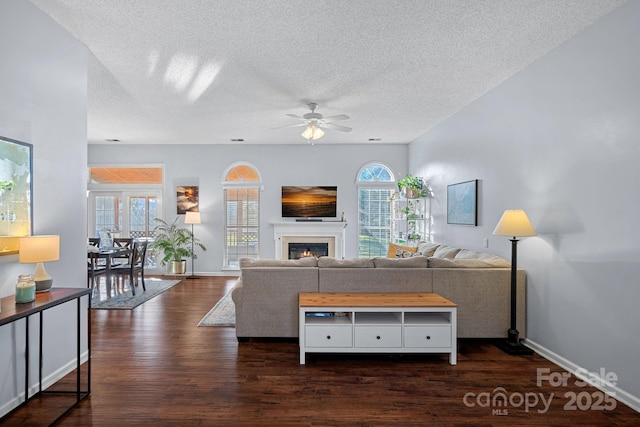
{"points": [[306, 231]]}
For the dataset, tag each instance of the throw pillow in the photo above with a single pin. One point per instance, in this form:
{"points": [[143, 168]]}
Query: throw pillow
{"points": [[397, 251]]}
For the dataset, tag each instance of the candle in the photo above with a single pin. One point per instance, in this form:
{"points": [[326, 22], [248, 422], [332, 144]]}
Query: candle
{"points": [[25, 289]]}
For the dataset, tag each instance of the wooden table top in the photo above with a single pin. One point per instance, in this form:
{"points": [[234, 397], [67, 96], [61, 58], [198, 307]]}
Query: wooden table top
{"points": [[373, 300], [44, 300]]}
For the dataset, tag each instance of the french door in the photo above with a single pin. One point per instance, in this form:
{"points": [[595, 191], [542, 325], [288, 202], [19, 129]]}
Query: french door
{"points": [[123, 213]]}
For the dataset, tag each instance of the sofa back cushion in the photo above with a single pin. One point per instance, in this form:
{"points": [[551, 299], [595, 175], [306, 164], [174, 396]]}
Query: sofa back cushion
{"points": [[413, 262], [493, 260], [302, 262], [384, 280], [427, 249], [330, 262], [444, 251]]}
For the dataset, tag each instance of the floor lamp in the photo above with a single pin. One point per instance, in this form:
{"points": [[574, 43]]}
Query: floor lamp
{"points": [[514, 223], [192, 218]]}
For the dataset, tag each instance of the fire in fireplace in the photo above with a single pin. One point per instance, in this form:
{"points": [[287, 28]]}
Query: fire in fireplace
{"points": [[302, 250]]}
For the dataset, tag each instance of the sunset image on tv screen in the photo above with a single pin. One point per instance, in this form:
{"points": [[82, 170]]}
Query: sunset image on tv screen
{"points": [[309, 202]]}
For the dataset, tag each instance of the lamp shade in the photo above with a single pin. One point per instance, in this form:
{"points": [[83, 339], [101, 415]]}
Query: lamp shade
{"points": [[35, 249], [192, 218], [312, 132], [514, 223]]}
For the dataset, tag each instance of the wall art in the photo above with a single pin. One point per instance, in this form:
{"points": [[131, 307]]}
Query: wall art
{"points": [[462, 203], [187, 199], [16, 190]]}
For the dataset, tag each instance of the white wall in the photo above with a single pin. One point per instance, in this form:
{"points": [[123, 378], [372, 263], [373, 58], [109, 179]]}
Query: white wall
{"points": [[43, 102], [560, 140], [303, 164]]}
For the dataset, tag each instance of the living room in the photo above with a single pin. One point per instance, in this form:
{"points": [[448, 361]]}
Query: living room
{"points": [[558, 139]]}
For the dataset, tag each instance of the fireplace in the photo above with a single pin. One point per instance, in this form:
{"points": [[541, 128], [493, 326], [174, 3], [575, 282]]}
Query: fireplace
{"points": [[329, 233], [303, 250]]}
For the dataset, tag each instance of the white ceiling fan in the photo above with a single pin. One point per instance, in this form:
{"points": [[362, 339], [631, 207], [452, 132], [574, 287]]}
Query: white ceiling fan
{"points": [[315, 121]]}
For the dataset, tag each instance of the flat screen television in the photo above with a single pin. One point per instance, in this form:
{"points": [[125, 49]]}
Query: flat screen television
{"points": [[309, 202]]}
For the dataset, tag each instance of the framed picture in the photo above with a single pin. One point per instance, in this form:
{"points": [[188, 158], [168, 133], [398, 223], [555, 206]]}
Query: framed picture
{"points": [[16, 194], [462, 203], [187, 199]]}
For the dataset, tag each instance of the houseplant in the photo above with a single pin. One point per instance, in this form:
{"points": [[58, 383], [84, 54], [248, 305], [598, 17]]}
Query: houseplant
{"points": [[175, 243], [411, 186]]}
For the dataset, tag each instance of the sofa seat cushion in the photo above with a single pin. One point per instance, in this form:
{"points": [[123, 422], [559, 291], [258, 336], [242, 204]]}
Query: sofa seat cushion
{"points": [[494, 260], [413, 262], [330, 262], [302, 262]]}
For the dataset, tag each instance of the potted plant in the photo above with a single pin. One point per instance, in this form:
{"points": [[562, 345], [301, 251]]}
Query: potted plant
{"points": [[175, 243], [411, 186]]}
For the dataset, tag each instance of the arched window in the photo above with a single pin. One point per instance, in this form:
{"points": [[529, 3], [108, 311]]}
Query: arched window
{"points": [[376, 184], [241, 188]]}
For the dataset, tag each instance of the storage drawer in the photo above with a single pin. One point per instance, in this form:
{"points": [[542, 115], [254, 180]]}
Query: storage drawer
{"points": [[427, 336], [378, 336], [328, 336]]}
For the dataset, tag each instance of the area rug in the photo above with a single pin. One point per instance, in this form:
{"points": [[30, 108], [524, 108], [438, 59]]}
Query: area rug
{"points": [[127, 301], [222, 314]]}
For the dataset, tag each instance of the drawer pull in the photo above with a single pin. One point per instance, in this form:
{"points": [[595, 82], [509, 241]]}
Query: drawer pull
{"points": [[378, 337], [328, 337], [428, 337]]}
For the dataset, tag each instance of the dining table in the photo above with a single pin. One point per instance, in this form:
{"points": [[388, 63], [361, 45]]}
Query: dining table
{"points": [[109, 254]]}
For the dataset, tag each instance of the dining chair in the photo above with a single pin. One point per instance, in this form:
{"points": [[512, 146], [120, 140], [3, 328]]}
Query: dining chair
{"points": [[94, 271], [116, 260], [94, 241], [122, 242], [134, 267]]}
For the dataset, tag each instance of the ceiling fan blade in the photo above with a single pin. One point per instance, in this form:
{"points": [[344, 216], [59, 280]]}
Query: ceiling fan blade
{"points": [[335, 127], [295, 116], [335, 118], [290, 126]]}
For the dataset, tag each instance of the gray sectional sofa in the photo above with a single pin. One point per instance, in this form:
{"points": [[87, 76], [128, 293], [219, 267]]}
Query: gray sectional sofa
{"points": [[266, 293]]}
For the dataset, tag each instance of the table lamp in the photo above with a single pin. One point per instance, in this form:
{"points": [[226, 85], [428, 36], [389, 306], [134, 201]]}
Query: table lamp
{"points": [[514, 223], [40, 249], [192, 218]]}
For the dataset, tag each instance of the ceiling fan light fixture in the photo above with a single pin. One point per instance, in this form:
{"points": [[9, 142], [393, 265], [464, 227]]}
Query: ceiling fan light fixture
{"points": [[312, 132]]}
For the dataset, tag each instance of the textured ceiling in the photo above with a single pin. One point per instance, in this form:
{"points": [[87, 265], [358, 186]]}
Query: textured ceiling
{"points": [[209, 71]]}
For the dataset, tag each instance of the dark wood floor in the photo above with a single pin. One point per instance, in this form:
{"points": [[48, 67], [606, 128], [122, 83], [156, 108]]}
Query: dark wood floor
{"points": [[153, 366]]}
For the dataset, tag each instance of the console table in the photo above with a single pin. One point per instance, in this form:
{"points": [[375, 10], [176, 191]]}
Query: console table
{"points": [[12, 312], [377, 323]]}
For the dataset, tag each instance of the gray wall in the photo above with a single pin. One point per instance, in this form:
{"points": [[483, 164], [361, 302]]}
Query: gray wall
{"points": [[303, 164], [561, 141], [43, 102]]}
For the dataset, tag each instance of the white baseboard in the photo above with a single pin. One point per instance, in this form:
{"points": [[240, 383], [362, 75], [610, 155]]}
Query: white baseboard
{"points": [[601, 384], [47, 382]]}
